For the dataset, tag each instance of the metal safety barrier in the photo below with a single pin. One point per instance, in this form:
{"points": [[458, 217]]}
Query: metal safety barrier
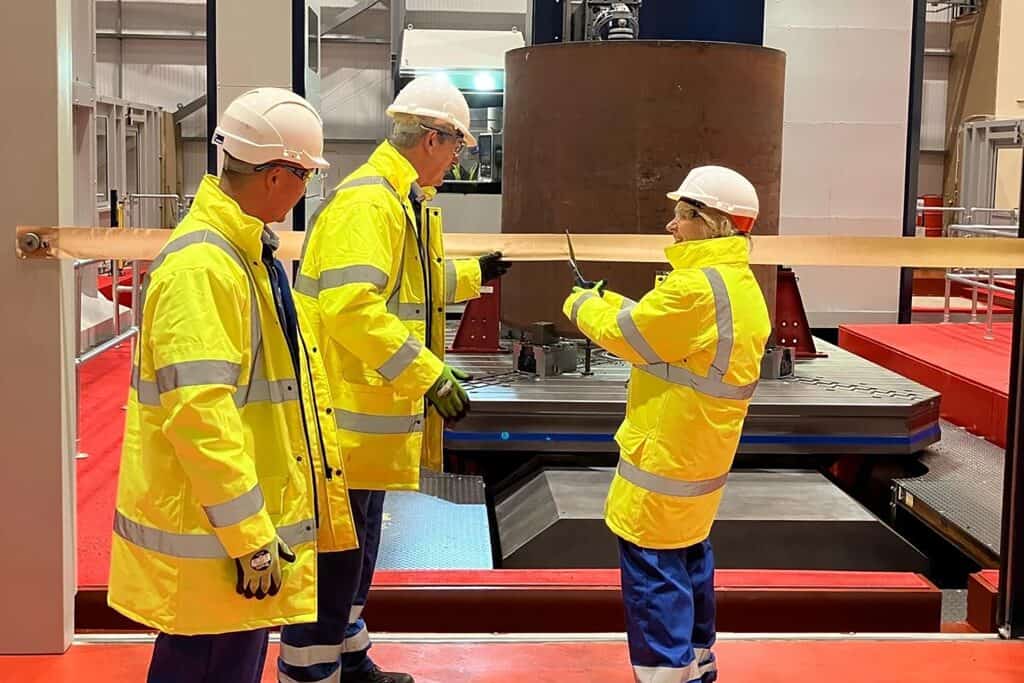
{"points": [[991, 281]]}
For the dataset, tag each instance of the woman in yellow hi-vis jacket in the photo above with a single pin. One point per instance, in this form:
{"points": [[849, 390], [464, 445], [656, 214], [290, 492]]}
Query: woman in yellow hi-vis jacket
{"points": [[230, 459], [374, 281], [695, 343]]}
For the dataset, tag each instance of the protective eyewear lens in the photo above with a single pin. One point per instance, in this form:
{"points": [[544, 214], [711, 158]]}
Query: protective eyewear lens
{"points": [[303, 174], [460, 140]]}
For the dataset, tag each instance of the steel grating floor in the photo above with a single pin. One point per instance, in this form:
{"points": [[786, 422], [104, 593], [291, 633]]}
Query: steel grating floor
{"points": [[840, 404], [961, 495]]}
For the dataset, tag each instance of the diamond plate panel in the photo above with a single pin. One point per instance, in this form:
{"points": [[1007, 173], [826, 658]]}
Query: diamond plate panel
{"points": [[421, 531], [964, 485]]}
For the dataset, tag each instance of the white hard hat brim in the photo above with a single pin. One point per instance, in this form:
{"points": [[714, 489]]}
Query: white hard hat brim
{"points": [[319, 163], [467, 136]]}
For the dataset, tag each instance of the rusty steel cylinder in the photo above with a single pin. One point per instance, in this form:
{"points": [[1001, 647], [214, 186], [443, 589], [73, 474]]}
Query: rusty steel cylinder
{"points": [[597, 132]]}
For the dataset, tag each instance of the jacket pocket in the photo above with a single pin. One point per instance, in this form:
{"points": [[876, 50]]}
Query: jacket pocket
{"points": [[374, 400], [631, 441], [273, 494]]}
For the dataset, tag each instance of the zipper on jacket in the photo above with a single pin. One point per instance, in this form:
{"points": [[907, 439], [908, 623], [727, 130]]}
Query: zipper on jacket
{"points": [[269, 266], [424, 226], [316, 412]]}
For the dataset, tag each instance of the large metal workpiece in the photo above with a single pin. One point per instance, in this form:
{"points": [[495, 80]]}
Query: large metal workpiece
{"points": [[769, 519], [841, 404]]}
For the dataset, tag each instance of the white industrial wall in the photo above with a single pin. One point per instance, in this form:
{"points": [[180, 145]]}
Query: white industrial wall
{"points": [[933, 106], [169, 70], [1010, 99], [844, 141]]}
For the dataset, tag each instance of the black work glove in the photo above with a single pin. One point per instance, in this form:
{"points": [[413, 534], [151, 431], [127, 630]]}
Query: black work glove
{"points": [[259, 572], [493, 266]]}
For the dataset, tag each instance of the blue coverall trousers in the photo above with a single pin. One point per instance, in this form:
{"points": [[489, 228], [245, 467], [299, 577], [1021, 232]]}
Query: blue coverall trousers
{"points": [[222, 658], [669, 596], [339, 639]]}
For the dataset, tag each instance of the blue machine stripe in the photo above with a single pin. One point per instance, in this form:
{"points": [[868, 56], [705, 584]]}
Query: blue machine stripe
{"points": [[758, 439]]}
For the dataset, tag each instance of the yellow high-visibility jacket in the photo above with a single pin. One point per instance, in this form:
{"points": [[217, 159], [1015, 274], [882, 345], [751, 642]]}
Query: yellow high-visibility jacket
{"points": [[223, 448], [696, 343], [371, 282]]}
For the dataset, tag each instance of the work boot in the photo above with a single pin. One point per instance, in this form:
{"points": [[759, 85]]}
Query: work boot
{"points": [[375, 675]]}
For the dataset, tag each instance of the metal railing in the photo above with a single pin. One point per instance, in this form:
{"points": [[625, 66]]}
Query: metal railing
{"points": [[989, 282], [119, 336], [132, 202]]}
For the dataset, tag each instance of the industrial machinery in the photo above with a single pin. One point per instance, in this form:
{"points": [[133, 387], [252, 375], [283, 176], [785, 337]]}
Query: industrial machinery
{"points": [[474, 62], [602, 20], [544, 354]]}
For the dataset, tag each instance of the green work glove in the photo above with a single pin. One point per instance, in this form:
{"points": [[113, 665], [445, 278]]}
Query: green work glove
{"points": [[259, 573], [591, 286], [448, 396]]}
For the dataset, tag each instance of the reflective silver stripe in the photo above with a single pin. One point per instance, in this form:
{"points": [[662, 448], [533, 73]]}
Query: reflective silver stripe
{"points": [[379, 424], [411, 312], [310, 655], [393, 302], [358, 642], [298, 533], [665, 674], [667, 486], [191, 546], [149, 392], [626, 304], [451, 281], [369, 180], [723, 319], [197, 237], [197, 546], [339, 277], [586, 296], [709, 386], [358, 182], [355, 613], [260, 390], [713, 385], [197, 372], [235, 511], [631, 333], [705, 660], [401, 359], [334, 677]]}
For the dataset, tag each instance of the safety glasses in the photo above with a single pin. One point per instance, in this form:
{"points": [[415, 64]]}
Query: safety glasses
{"points": [[460, 139], [303, 174]]}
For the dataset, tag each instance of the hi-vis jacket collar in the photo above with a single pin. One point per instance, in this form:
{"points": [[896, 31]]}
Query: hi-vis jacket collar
{"points": [[397, 170], [222, 213], [713, 252]]}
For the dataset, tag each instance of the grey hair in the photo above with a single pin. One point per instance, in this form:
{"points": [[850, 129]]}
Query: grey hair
{"points": [[406, 132]]}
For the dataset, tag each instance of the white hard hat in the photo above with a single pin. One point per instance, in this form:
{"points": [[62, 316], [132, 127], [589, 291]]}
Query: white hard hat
{"points": [[272, 124], [723, 189], [431, 97]]}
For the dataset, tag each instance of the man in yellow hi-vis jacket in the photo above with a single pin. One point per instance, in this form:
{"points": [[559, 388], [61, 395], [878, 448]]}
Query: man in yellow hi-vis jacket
{"points": [[374, 280], [695, 343], [230, 459]]}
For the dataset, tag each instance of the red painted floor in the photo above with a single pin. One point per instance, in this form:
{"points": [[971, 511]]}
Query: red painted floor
{"points": [[739, 661], [972, 373], [103, 393]]}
